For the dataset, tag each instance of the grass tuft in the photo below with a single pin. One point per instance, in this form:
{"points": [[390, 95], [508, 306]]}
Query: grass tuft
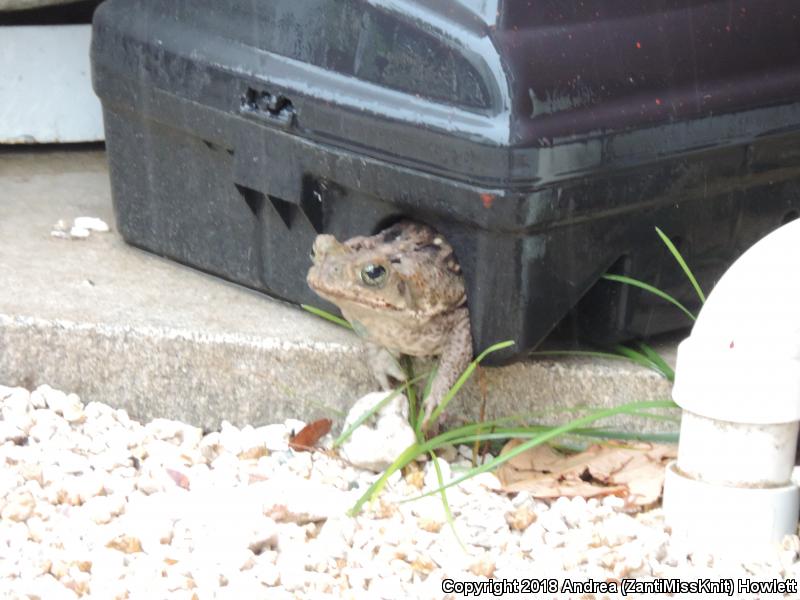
{"points": [[471, 432]]}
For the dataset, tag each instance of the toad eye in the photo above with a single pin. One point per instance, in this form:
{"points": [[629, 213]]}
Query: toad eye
{"points": [[373, 275]]}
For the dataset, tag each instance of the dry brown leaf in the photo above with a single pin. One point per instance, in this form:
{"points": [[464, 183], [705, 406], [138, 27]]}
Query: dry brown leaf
{"points": [[553, 488], [644, 474], [308, 436], [634, 470], [538, 459]]}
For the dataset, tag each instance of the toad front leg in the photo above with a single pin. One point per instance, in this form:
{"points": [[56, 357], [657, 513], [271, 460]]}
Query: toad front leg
{"points": [[384, 366], [455, 357]]}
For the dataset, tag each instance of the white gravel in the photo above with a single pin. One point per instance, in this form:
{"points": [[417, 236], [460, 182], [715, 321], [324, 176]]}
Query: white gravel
{"points": [[96, 505], [81, 228]]}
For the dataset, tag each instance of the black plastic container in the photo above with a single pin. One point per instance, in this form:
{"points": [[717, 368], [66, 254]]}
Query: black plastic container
{"points": [[545, 139]]}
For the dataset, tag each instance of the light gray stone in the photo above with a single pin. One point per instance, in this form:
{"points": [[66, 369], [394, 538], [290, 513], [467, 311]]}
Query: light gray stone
{"points": [[379, 440], [174, 432], [15, 402]]}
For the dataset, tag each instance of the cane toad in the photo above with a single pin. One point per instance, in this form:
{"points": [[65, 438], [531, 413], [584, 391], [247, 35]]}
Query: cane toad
{"points": [[403, 292]]}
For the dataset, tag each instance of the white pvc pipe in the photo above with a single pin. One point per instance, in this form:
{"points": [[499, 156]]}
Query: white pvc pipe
{"points": [[737, 380], [740, 454], [728, 521]]}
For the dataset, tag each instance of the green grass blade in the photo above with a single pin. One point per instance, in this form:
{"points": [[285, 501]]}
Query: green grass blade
{"points": [[604, 434], [429, 383], [637, 357], [677, 255], [665, 418], [326, 315], [447, 512], [505, 424], [472, 432], [649, 288], [416, 417], [659, 361], [407, 366], [589, 433], [633, 356], [648, 358], [401, 461]]}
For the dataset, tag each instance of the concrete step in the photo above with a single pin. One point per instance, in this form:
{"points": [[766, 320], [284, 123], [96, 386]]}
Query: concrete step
{"points": [[110, 322]]}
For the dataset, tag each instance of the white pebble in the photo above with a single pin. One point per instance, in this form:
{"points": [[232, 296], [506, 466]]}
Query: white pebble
{"points": [[251, 445], [263, 535], [614, 502], [268, 574], [79, 233], [174, 432], [46, 586], [91, 224], [10, 432], [229, 438], [532, 538], [275, 438], [102, 509], [71, 463], [379, 440], [19, 506], [211, 446], [93, 500], [432, 475], [15, 401], [77, 489], [9, 480], [552, 521], [38, 399]]}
